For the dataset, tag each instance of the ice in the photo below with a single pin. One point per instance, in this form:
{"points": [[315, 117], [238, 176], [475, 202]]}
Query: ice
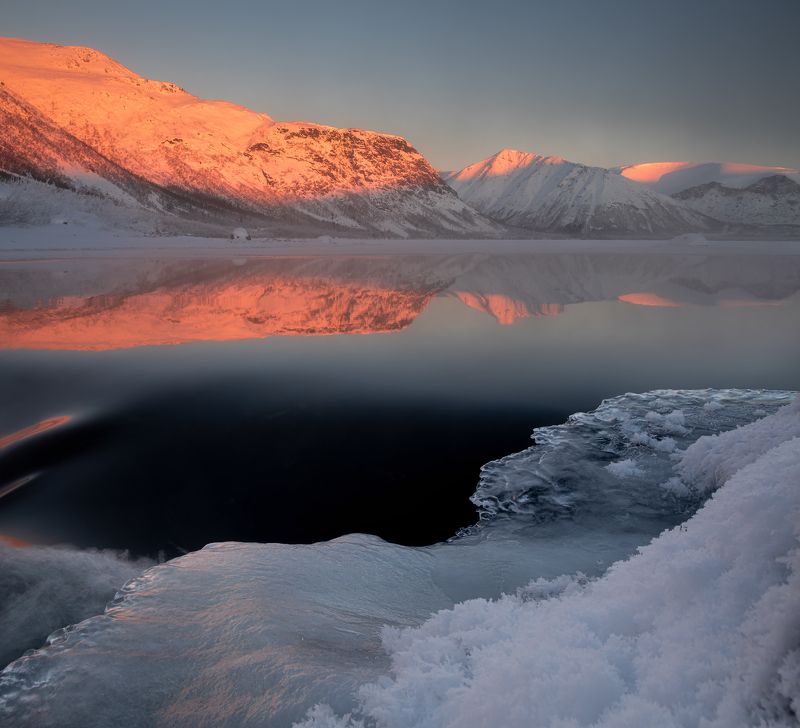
{"points": [[46, 588], [700, 628], [574, 467], [519, 621], [624, 468]]}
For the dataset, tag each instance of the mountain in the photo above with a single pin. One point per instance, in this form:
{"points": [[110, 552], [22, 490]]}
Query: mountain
{"points": [[772, 200], [126, 130], [671, 177], [553, 195], [36, 154]]}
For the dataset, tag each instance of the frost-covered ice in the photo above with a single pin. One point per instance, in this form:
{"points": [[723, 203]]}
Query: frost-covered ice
{"points": [[701, 627], [574, 468], [43, 589]]}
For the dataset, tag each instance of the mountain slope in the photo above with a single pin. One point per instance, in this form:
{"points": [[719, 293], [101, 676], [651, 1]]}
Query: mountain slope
{"points": [[773, 200], [223, 154], [671, 177], [552, 194], [33, 148]]}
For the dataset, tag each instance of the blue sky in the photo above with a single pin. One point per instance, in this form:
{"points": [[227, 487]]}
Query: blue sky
{"points": [[598, 81]]}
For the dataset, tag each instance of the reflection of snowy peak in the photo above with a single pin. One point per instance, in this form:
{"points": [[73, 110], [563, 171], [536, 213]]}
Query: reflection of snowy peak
{"points": [[770, 201], [552, 194], [109, 303], [225, 155], [671, 177]]}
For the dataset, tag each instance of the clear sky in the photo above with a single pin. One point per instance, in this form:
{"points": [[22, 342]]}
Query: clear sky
{"points": [[597, 81]]}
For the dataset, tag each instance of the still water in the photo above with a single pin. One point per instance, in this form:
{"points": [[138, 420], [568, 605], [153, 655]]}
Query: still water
{"points": [[159, 404]]}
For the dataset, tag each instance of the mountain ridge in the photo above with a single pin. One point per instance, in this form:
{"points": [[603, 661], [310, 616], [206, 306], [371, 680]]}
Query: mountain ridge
{"points": [[773, 200], [551, 194], [218, 152]]}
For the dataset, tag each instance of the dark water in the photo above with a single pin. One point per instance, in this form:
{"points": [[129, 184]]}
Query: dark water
{"points": [[296, 399]]}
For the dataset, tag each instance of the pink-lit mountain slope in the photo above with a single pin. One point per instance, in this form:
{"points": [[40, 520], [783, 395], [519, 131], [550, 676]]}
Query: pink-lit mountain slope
{"points": [[553, 195], [220, 156], [34, 150]]}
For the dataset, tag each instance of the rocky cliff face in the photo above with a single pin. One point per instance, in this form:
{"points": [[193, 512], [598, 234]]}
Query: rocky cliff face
{"points": [[218, 155]]}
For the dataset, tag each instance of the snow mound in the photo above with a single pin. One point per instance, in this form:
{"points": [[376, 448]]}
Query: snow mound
{"points": [[700, 628]]}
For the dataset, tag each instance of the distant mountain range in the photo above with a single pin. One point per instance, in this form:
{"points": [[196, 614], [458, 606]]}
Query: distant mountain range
{"points": [[551, 194], [672, 177], [87, 140], [554, 195], [770, 201]]}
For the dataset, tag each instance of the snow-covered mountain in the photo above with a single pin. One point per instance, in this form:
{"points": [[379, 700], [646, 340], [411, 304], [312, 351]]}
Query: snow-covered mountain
{"points": [[551, 194], [36, 156], [772, 200], [671, 177], [217, 155]]}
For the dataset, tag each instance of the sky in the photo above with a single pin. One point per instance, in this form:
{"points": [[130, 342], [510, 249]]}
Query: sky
{"points": [[602, 82]]}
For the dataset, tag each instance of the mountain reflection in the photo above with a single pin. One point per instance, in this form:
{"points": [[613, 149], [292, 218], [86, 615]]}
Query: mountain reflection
{"points": [[98, 304]]}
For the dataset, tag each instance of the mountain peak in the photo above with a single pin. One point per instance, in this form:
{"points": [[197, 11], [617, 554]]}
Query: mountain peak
{"points": [[514, 158]]}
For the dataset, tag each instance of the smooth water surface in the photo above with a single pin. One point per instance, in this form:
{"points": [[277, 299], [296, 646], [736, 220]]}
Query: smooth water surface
{"points": [[159, 404]]}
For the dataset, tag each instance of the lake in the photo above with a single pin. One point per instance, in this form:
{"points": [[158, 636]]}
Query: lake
{"points": [[158, 402]]}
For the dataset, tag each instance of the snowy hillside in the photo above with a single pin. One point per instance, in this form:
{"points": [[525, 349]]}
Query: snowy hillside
{"points": [[770, 201], [213, 153], [551, 194], [671, 177]]}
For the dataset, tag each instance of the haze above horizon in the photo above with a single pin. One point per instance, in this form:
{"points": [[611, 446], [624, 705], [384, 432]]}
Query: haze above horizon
{"points": [[598, 83]]}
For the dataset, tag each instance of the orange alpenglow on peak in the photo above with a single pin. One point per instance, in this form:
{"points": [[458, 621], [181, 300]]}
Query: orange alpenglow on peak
{"points": [[651, 171], [673, 177], [229, 156], [506, 161]]}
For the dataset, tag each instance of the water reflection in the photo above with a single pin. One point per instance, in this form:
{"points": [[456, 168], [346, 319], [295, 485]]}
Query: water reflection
{"points": [[99, 304]]}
